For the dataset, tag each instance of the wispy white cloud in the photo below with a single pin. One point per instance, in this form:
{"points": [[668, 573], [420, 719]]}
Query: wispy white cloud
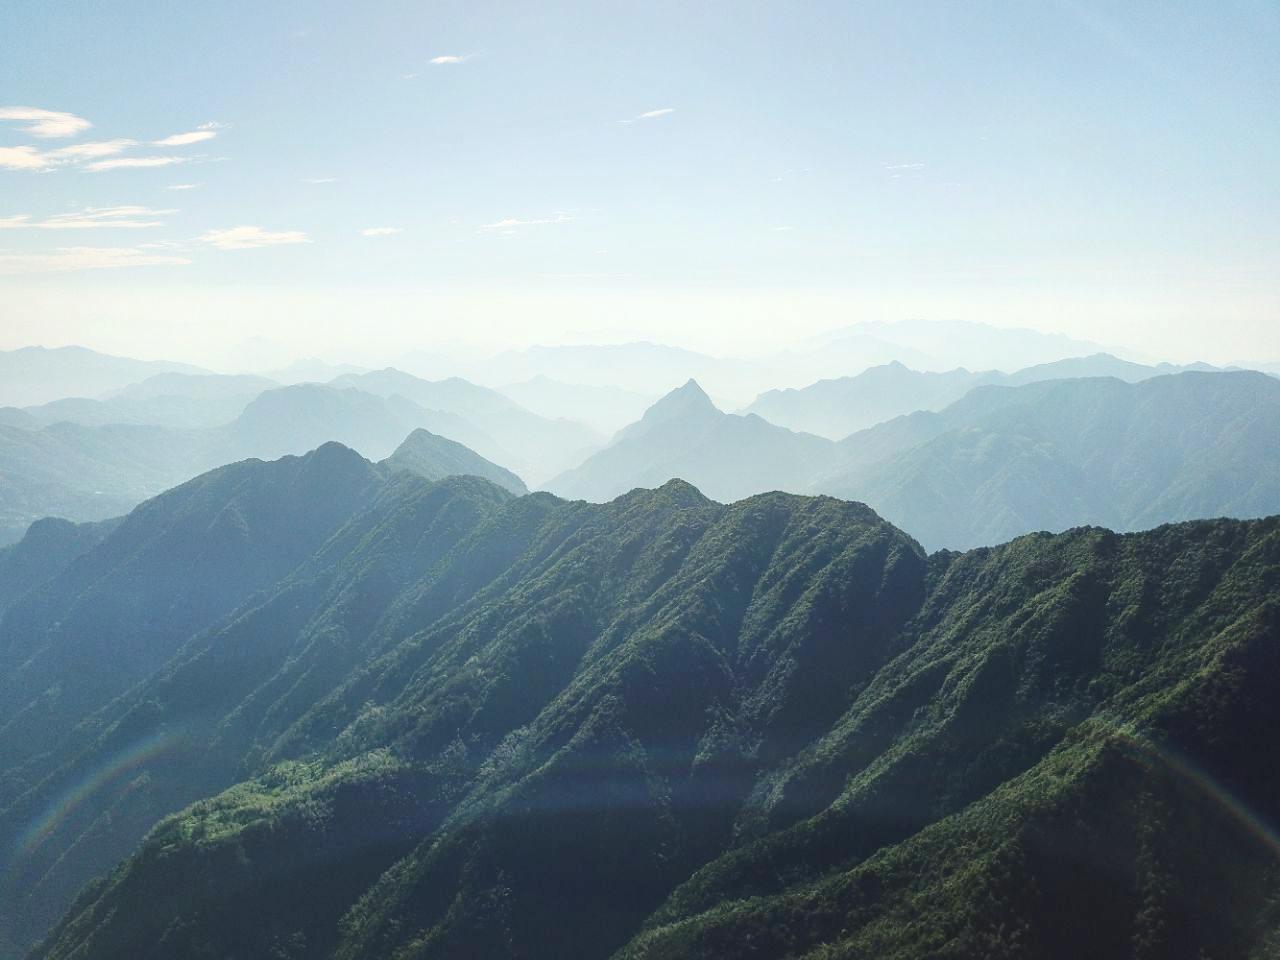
{"points": [[184, 139], [183, 186], [121, 163], [84, 258], [782, 229], [510, 223], [32, 158], [247, 238], [379, 231], [904, 166], [449, 58], [95, 148], [128, 217], [319, 179], [46, 123], [24, 158], [651, 115], [88, 156]]}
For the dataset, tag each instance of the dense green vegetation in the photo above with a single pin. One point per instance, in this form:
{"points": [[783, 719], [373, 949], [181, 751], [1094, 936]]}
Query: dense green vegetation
{"points": [[464, 723]]}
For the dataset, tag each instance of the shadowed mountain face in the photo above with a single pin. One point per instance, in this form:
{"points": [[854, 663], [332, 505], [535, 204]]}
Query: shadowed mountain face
{"points": [[462, 723], [48, 547], [175, 565], [684, 435]]}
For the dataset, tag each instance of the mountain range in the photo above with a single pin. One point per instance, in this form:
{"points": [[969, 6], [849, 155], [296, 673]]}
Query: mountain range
{"points": [[397, 717], [837, 408], [1000, 462], [500, 429], [1050, 455], [36, 375], [685, 435], [83, 459]]}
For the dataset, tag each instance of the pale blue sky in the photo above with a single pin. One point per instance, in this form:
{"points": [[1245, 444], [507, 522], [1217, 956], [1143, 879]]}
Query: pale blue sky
{"points": [[1107, 170]]}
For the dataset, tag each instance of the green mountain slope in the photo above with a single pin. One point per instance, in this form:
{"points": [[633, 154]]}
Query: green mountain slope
{"points": [[174, 566], [471, 724], [47, 549]]}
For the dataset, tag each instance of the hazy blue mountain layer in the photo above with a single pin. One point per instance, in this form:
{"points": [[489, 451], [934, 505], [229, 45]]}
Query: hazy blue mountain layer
{"points": [[837, 408], [434, 457], [684, 435], [34, 375], [1051, 455], [81, 472], [534, 446]]}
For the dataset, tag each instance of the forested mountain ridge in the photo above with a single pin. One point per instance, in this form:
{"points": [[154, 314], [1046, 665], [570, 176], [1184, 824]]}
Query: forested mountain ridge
{"points": [[664, 726]]}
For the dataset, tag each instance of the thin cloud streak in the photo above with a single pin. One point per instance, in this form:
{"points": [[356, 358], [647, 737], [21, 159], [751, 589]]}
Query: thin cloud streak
{"points": [[379, 231], [249, 238], [84, 258], [27, 157], [509, 223], [183, 139], [90, 218], [651, 115], [121, 163]]}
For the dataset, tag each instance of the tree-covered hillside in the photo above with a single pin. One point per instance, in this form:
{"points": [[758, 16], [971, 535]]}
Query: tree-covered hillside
{"points": [[469, 724]]}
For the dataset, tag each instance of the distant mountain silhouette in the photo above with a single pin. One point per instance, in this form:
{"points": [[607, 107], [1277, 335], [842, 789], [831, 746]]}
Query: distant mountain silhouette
{"points": [[433, 458], [1055, 454], [179, 400], [94, 472], [534, 446], [837, 408], [684, 435], [34, 375]]}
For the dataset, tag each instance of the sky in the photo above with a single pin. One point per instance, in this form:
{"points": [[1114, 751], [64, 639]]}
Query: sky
{"points": [[354, 180]]}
